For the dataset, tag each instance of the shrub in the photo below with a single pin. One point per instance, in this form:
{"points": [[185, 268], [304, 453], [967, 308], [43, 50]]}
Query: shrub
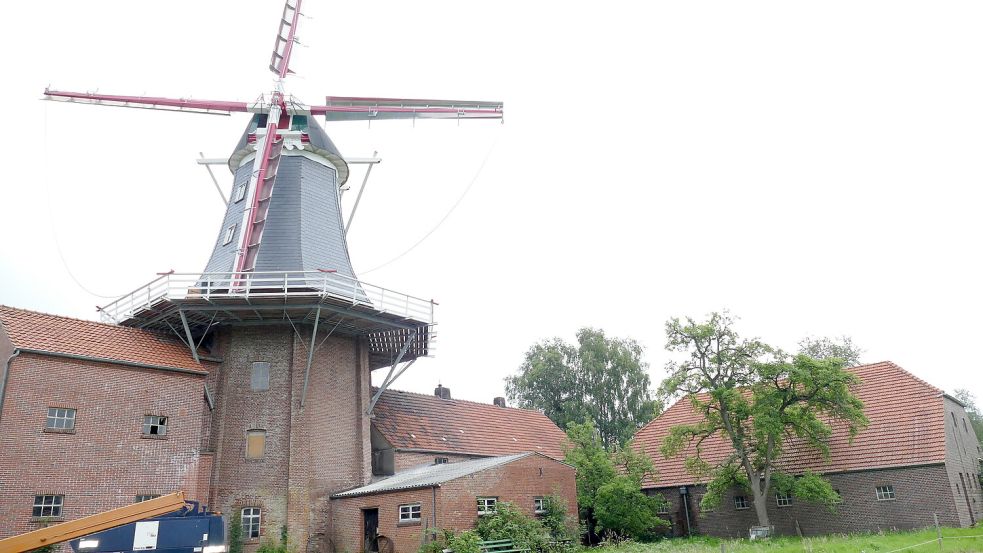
{"points": [[465, 542], [623, 511], [509, 523], [235, 532]]}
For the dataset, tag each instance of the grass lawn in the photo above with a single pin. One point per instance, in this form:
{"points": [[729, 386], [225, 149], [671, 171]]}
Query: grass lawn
{"points": [[955, 540]]}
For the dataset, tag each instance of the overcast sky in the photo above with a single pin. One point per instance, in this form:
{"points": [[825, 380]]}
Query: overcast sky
{"points": [[814, 167]]}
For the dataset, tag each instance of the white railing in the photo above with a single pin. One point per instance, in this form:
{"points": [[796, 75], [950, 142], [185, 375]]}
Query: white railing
{"points": [[222, 288]]}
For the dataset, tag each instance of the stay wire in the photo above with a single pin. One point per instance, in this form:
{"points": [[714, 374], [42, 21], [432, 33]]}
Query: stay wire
{"points": [[446, 215], [51, 216]]}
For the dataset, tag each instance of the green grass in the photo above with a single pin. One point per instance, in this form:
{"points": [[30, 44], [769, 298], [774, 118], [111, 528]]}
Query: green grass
{"points": [[955, 540]]}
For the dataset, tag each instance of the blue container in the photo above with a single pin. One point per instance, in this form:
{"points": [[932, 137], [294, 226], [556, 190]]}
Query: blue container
{"points": [[190, 530]]}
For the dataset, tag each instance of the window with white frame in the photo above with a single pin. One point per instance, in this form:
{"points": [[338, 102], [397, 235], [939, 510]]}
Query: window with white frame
{"points": [[240, 192], [60, 419], [486, 505], [664, 505], [146, 497], [409, 512], [741, 503], [47, 506], [154, 425], [250, 522], [885, 493], [229, 234], [783, 499], [539, 505]]}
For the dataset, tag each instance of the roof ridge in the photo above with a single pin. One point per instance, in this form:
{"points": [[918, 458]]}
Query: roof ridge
{"points": [[421, 394], [68, 318], [895, 366]]}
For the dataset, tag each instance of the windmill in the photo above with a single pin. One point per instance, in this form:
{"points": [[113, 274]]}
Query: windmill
{"points": [[281, 254]]}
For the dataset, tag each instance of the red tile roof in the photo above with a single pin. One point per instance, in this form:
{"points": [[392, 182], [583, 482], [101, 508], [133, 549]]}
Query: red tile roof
{"points": [[907, 427], [64, 335], [428, 423]]}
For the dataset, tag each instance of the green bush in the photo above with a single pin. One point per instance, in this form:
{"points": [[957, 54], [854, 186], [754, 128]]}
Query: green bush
{"points": [[509, 523], [235, 532], [623, 511], [465, 542]]}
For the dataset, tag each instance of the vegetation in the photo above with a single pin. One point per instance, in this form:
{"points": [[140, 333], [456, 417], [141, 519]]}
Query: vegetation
{"points": [[959, 541], [276, 547], [609, 494], [235, 532], [754, 396], [842, 348], [601, 379], [464, 542], [974, 413]]}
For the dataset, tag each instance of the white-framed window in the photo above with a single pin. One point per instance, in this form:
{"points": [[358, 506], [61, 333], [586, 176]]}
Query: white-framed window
{"points": [[60, 419], [47, 505], [154, 425], [146, 497], [783, 499], [250, 522], [409, 512], [240, 192], [229, 235], [259, 377], [539, 505], [885, 493], [486, 505], [741, 503]]}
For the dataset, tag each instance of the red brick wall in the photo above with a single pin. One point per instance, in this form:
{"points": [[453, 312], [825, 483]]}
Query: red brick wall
{"points": [[106, 462], [311, 452], [919, 492], [517, 482], [349, 525]]}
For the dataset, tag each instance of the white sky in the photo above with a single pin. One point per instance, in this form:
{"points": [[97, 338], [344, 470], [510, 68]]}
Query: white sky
{"points": [[814, 167]]}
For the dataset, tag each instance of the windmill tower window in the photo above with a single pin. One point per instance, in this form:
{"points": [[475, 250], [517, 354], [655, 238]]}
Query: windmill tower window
{"points": [[240, 192], [229, 235], [299, 123]]}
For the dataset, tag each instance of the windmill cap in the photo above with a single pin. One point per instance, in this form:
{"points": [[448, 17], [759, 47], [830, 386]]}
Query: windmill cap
{"points": [[320, 143]]}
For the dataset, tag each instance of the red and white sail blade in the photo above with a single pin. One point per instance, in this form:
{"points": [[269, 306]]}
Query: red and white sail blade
{"points": [[286, 36], [348, 108], [215, 107], [261, 187]]}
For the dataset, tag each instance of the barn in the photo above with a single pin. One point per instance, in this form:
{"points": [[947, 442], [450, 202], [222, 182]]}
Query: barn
{"points": [[918, 458]]}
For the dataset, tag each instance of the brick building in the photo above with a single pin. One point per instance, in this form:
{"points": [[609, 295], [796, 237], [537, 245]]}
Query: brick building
{"points": [[447, 495], [95, 416], [412, 429], [918, 457]]}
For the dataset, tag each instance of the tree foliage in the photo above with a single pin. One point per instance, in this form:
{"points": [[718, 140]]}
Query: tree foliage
{"points": [[600, 379], [841, 348], [974, 413], [235, 532], [609, 492], [756, 397]]}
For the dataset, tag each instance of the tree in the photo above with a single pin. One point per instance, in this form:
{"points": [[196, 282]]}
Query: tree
{"points": [[755, 397], [609, 487], [601, 379], [842, 348], [974, 413]]}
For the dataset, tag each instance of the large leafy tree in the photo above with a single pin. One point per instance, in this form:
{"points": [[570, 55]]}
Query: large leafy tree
{"points": [[975, 415], [600, 379], [609, 495], [755, 397], [841, 348]]}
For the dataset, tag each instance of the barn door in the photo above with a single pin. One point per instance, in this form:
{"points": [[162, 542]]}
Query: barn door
{"points": [[371, 518]]}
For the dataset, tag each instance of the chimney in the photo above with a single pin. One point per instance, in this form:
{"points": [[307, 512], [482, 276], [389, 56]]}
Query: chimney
{"points": [[499, 401], [441, 392]]}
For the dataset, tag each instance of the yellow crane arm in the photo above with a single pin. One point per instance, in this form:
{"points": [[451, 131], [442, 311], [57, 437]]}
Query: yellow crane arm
{"points": [[92, 524]]}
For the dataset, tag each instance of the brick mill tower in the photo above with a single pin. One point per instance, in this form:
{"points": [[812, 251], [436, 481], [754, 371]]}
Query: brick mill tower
{"points": [[288, 333]]}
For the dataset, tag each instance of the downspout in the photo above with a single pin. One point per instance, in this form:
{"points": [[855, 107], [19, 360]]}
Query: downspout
{"points": [[6, 376], [434, 489]]}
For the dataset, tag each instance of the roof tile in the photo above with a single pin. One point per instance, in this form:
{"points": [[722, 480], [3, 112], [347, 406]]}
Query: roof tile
{"points": [[65, 335], [907, 427], [425, 422]]}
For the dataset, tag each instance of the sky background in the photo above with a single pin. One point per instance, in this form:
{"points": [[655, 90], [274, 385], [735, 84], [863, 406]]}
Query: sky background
{"points": [[813, 167]]}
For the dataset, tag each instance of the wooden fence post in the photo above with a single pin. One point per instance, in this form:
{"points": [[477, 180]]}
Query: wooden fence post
{"points": [[938, 531]]}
